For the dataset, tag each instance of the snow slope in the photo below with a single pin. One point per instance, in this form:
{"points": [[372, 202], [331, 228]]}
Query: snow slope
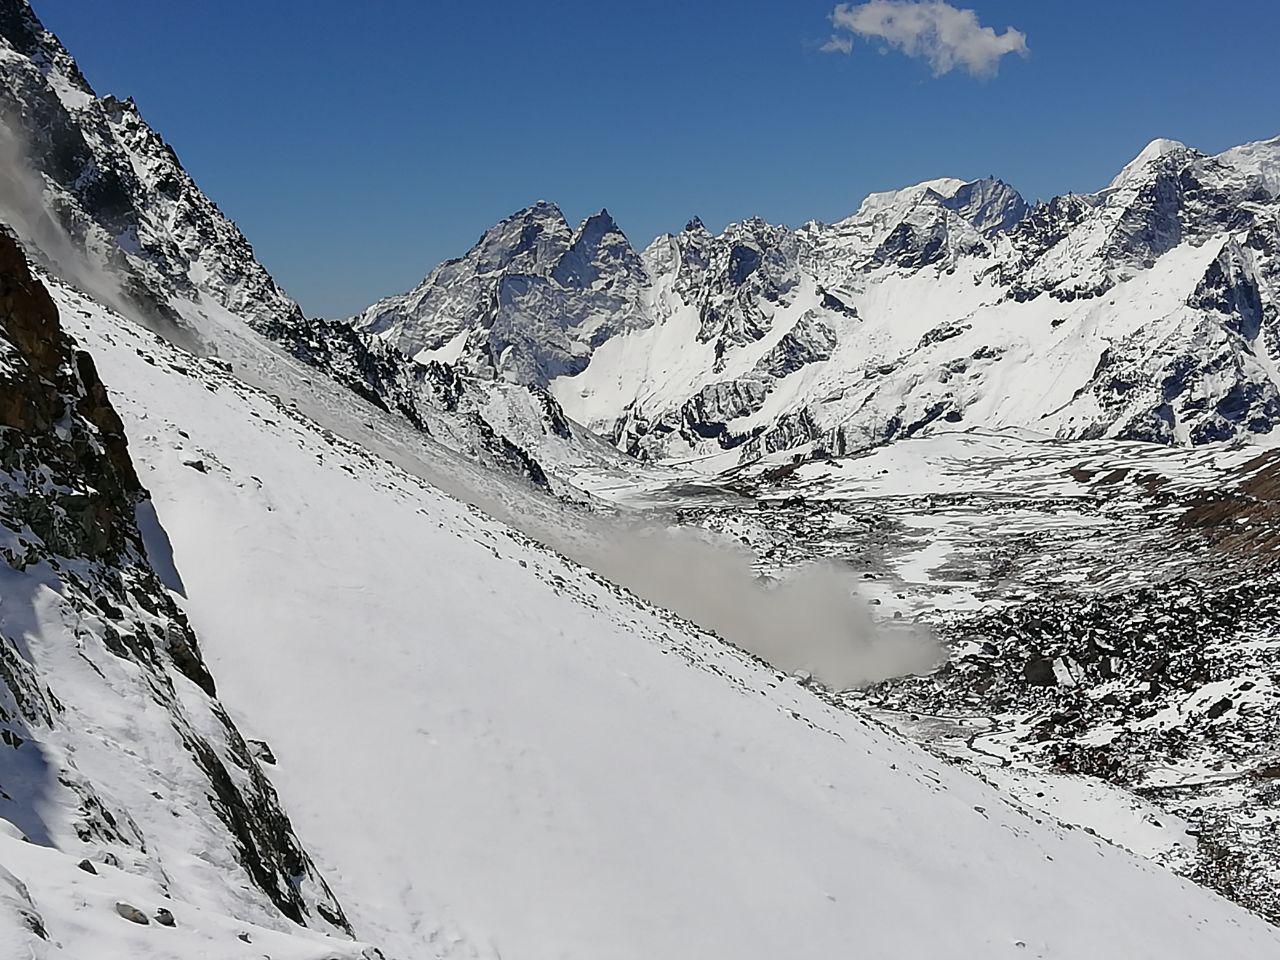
{"points": [[78, 913], [120, 772], [491, 752], [1261, 159]]}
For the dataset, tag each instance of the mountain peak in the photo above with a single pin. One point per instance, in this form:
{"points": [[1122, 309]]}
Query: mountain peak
{"points": [[599, 248], [539, 209], [1159, 147], [1153, 151], [882, 202], [600, 222], [536, 234], [23, 31]]}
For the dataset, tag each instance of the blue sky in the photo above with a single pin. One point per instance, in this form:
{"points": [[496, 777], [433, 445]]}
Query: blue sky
{"points": [[358, 144]]}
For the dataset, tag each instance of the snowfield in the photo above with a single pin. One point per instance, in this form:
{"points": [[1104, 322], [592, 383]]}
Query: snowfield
{"points": [[491, 752]]}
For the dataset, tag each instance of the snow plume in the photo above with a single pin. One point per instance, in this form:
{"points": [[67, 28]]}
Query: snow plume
{"points": [[28, 208], [25, 208], [947, 37], [812, 619]]}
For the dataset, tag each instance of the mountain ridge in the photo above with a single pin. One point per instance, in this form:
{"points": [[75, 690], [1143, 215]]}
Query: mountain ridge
{"points": [[746, 281]]}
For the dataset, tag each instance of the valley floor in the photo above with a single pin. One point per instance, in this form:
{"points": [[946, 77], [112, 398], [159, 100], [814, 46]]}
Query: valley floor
{"points": [[1107, 610]]}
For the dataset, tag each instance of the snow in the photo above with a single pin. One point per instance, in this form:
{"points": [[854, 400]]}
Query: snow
{"points": [[73, 96], [1153, 151], [878, 204], [492, 753], [1261, 159], [78, 913], [1113, 813], [449, 353], [118, 746]]}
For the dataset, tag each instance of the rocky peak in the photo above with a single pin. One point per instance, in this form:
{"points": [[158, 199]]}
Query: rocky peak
{"points": [[600, 251], [120, 216], [747, 272], [990, 205], [1178, 193], [528, 241], [596, 226], [24, 32], [913, 227], [1154, 151]]}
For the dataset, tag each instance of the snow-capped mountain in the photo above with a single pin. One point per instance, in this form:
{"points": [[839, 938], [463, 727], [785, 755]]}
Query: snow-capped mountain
{"points": [[86, 175], [1146, 311], [101, 200], [326, 555], [528, 303]]}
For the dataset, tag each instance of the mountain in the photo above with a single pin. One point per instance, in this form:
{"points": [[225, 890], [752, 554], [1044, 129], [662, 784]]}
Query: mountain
{"points": [[1144, 311], [328, 639], [100, 199], [528, 303], [100, 195], [116, 752], [1261, 159]]}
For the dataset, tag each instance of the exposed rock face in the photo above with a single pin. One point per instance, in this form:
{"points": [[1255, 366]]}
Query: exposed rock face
{"points": [[529, 302], [990, 205], [749, 272], [943, 303], [45, 384], [110, 193], [106, 706]]}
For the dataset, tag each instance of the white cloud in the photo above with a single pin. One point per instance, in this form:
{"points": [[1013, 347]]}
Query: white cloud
{"points": [[946, 37], [838, 45]]}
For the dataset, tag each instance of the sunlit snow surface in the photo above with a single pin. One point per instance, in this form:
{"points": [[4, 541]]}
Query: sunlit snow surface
{"points": [[490, 752]]}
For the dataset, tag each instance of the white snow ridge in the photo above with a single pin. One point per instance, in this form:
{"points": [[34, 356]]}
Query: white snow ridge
{"points": [[848, 590]]}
